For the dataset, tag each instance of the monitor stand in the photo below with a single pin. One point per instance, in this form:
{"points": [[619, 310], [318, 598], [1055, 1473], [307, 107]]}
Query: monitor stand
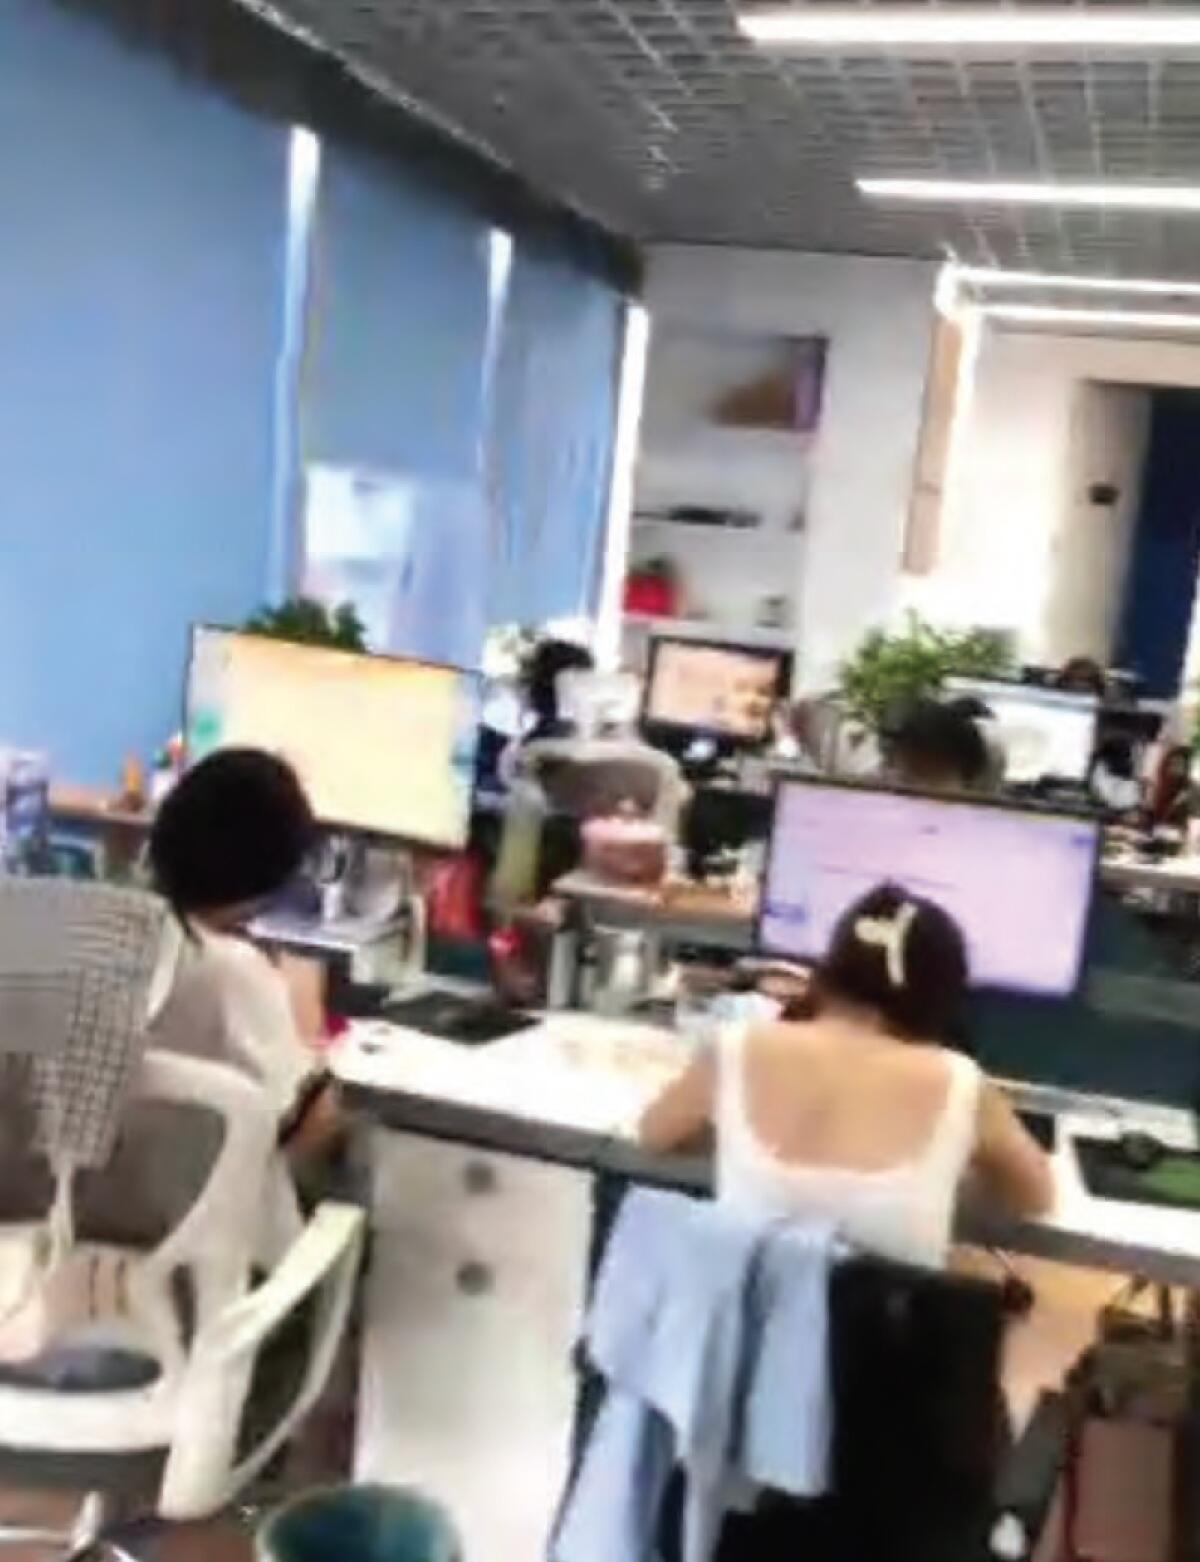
{"points": [[362, 881], [366, 904]]}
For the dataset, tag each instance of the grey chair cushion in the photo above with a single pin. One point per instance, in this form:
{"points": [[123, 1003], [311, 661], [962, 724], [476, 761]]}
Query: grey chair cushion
{"points": [[78, 1369], [162, 1161]]}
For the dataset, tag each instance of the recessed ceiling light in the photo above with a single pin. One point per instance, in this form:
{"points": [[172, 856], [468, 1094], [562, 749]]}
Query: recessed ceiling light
{"points": [[1050, 314], [1008, 192], [986, 26], [988, 276]]}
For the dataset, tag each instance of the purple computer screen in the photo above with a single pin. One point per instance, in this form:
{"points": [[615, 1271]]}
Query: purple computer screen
{"points": [[1018, 883]]}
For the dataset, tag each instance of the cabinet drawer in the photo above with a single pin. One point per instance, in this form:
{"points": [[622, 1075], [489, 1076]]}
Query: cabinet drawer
{"points": [[470, 1398], [467, 1203]]}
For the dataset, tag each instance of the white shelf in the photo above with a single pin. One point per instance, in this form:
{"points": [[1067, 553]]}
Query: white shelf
{"points": [[786, 443], [759, 533], [711, 629]]}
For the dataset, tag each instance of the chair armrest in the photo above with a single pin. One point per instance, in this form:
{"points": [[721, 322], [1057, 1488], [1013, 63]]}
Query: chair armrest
{"points": [[202, 1473], [324, 1243]]}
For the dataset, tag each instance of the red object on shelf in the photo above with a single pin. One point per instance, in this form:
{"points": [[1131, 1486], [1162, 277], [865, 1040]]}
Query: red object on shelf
{"points": [[654, 595]]}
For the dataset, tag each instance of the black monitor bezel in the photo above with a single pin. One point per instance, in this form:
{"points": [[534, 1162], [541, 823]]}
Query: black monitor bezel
{"points": [[341, 826], [652, 726], [1081, 815]]}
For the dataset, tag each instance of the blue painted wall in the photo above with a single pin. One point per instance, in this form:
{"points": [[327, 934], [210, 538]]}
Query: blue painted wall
{"points": [[141, 242]]}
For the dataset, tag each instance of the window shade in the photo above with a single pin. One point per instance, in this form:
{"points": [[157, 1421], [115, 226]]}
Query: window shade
{"points": [[550, 439], [393, 409]]}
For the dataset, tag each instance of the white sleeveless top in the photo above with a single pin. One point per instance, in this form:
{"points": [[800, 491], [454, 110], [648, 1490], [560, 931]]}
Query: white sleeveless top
{"points": [[903, 1212]]}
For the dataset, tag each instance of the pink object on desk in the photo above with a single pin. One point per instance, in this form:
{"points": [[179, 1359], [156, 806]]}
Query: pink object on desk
{"points": [[625, 851]]}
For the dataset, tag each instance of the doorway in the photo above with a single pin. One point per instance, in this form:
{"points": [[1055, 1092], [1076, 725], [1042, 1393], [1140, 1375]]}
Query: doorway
{"points": [[1160, 583]]}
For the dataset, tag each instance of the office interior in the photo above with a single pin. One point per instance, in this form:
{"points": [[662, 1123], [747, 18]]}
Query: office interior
{"points": [[356, 355]]}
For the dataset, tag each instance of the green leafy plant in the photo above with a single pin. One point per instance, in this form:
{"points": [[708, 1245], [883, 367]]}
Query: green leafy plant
{"points": [[889, 671], [309, 622]]}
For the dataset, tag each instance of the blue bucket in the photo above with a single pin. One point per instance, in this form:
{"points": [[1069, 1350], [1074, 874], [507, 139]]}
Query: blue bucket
{"points": [[359, 1524]]}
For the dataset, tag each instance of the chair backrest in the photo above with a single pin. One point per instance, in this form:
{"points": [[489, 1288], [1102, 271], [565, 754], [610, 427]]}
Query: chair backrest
{"points": [[591, 778], [915, 1360], [226, 1223], [78, 963], [195, 1186], [913, 1363]]}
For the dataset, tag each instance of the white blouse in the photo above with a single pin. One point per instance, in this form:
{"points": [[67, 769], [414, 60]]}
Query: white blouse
{"points": [[228, 1003], [904, 1212]]}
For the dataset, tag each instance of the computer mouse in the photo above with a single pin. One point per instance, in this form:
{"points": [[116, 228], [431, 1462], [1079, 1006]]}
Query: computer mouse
{"points": [[1140, 1151]]}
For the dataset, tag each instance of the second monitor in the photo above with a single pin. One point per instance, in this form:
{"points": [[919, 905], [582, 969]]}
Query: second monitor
{"points": [[1046, 734], [382, 746], [1017, 881], [714, 691]]}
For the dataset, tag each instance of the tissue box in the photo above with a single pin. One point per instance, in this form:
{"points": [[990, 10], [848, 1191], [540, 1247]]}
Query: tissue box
{"points": [[24, 810]]}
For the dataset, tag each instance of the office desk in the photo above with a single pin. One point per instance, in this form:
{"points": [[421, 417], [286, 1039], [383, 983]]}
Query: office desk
{"points": [[570, 1090], [483, 1228], [99, 814], [685, 913], [1173, 875], [96, 806]]}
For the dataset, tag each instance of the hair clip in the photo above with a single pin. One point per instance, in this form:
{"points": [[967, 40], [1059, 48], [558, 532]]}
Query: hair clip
{"points": [[891, 935]]}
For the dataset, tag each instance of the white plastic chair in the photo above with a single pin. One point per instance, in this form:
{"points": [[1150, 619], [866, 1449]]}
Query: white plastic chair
{"points": [[192, 1409]]}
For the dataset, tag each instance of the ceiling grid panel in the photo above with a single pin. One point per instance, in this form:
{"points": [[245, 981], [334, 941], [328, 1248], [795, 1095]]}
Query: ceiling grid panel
{"points": [[659, 118]]}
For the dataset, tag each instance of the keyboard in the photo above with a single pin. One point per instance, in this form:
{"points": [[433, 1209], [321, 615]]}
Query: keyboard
{"points": [[472, 1022]]}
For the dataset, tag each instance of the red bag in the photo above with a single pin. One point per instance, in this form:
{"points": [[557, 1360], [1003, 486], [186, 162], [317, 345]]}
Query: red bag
{"points": [[454, 899]]}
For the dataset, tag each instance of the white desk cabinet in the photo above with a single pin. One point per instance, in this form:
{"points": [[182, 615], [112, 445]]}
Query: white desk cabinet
{"points": [[474, 1299]]}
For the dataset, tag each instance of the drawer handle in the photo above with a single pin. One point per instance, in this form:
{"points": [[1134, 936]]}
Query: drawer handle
{"points": [[475, 1278], [480, 1177]]}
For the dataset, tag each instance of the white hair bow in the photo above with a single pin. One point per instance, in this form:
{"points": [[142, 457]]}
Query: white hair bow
{"points": [[891, 935]]}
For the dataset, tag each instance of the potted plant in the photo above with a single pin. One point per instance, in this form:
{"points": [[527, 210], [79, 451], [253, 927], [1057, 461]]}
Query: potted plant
{"points": [[306, 621], [890, 670]]}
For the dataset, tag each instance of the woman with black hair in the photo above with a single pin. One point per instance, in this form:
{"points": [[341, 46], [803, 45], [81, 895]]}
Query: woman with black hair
{"points": [[231, 834], [863, 1115], [939, 748], [547, 662]]}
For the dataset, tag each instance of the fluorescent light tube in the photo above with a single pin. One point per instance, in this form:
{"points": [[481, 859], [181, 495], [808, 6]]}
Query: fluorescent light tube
{"points": [[990, 276], [983, 26], [1052, 314], [1010, 192]]}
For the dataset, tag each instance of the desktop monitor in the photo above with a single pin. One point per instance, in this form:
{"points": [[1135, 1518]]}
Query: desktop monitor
{"points": [[714, 690], [1017, 881], [597, 704], [381, 745], [1046, 734]]}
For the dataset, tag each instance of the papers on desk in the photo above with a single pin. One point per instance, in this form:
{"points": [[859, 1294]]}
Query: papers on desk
{"points": [[574, 1071]]}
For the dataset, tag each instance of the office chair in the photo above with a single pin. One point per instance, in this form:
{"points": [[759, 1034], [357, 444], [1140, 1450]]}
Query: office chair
{"points": [[591, 777], [912, 1405], [151, 1396]]}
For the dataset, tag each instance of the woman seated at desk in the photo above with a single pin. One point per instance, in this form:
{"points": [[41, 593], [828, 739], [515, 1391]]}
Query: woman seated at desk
{"points": [[939, 747], [232, 833], [862, 1114], [548, 661]]}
